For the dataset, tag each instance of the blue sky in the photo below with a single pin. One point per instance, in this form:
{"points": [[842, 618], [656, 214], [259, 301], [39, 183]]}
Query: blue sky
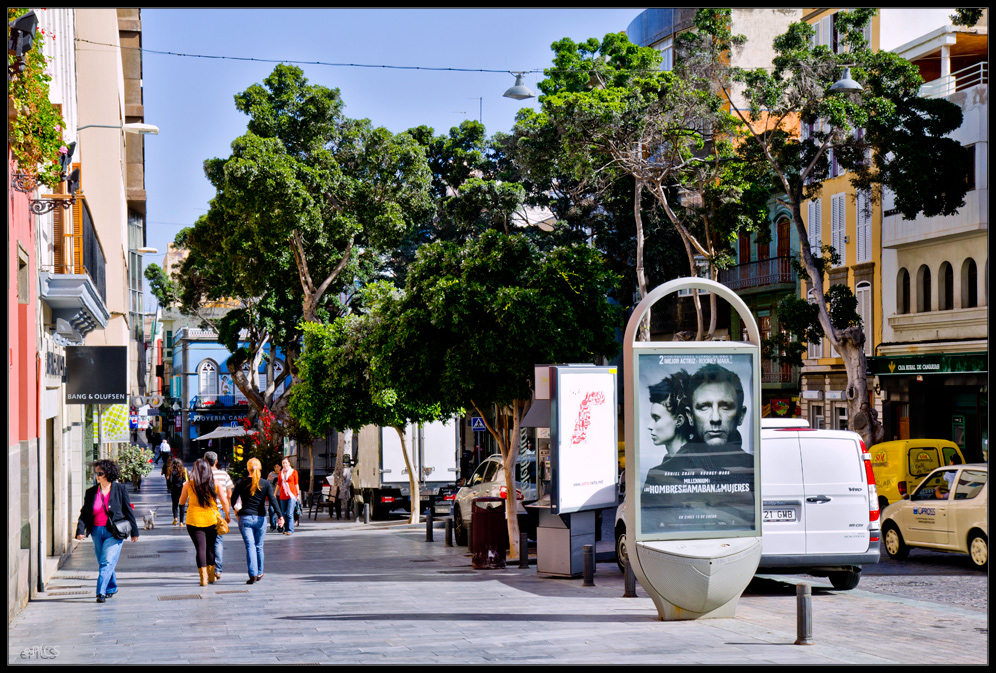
{"points": [[191, 99]]}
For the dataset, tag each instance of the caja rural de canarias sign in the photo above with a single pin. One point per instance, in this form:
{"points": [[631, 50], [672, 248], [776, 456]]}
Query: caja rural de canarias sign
{"points": [[940, 363]]}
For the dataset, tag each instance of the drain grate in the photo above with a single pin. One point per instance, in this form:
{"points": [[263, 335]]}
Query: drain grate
{"points": [[181, 597], [173, 551], [422, 560], [69, 593], [143, 556], [73, 577], [233, 591]]}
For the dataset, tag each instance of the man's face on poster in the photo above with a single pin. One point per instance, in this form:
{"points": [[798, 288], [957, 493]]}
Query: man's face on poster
{"points": [[714, 407]]}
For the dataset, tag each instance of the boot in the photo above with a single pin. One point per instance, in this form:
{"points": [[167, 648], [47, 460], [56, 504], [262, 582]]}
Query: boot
{"points": [[203, 572], [210, 575], [176, 522]]}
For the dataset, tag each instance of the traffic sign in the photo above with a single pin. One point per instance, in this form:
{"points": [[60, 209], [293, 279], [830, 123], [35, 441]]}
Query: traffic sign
{"points": [[477, 424]]}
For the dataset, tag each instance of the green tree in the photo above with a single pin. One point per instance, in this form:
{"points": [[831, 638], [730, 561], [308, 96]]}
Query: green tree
{"points": [[904, 134], [474, 319], [344, 383]]}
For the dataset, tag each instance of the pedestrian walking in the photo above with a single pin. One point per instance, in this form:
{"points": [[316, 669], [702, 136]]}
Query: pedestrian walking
{"points": [[165, 451], [108, 516], [274, 478], [254, 493], [224, 482], [176, 477], [202, 515], [289, 494]]}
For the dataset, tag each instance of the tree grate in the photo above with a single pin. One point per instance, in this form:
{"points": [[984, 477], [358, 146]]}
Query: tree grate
{"points": [[181, 597]]}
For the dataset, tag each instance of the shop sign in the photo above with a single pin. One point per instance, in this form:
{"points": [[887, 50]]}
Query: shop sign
{"points": [[97, 375], [203, 418], [940, 363]]}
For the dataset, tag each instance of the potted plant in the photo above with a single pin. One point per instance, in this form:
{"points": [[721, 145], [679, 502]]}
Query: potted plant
{"points": [[134, 462]]}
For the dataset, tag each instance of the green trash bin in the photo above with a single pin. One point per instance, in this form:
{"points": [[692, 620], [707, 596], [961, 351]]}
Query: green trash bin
{"points": [[489, 534]]}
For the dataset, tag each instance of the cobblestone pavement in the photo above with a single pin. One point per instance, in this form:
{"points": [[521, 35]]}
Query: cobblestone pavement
{"points": [[343, 592]]}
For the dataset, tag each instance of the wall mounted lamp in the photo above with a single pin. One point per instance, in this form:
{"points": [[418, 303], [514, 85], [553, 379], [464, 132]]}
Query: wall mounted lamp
{"points": [[141, 129], [20, 41]]}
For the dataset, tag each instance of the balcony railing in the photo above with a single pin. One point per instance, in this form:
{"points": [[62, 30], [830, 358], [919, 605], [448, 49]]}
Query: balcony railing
{"points": [[77, 247], [965, 78], [219, 401], [762, 273], [778, 373]]}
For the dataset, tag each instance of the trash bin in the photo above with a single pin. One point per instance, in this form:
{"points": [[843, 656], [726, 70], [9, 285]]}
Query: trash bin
{"points": [[489, 535]]}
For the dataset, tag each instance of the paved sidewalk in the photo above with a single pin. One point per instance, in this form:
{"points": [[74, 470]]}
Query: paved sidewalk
{"points": [[342, 592]]}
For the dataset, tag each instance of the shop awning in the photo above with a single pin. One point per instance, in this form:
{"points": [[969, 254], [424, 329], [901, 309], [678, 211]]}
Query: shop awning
{"points": [[538, 415], [224, 433]]}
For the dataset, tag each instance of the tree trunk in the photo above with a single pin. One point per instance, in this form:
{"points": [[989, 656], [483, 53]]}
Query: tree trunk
{"points": [[338, 477], [510, 457], [641, 274], [416, 498]]}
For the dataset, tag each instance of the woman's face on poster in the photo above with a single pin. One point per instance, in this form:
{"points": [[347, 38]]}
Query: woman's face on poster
{"points": [[662, 424]]}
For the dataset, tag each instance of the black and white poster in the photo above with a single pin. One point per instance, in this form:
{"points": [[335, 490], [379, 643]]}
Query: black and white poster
{"points": [[97, 375], [696, 442]]}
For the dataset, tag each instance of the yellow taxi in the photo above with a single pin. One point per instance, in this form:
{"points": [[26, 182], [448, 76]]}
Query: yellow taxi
{"points": [[900, 465], [948, 511]]}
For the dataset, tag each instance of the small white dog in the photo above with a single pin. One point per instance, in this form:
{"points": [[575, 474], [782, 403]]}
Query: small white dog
{"points": [[150, 519]]}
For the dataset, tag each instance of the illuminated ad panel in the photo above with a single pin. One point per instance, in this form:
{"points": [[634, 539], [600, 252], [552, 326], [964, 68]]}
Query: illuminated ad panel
{"points": [[697, 440], [584, 439]]}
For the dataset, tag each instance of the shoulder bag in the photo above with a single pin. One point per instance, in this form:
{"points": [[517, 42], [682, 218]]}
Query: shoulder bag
{"points": [[120, 530], [220, 525]]}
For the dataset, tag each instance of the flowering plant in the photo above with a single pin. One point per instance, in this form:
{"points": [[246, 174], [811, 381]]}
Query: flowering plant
{"points": [[35, 127]]}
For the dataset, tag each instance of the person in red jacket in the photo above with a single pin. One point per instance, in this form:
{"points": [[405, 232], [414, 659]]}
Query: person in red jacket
{"points": [[288, 494]]}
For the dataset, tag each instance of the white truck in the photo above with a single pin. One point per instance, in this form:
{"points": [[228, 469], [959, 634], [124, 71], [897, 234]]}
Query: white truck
{"points": [[380, 475]]}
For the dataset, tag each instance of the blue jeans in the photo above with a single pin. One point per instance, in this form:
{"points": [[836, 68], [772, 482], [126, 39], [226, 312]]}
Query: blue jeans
{"points": [[253, 529], [108, 550], [218, 547], [287, 511]]}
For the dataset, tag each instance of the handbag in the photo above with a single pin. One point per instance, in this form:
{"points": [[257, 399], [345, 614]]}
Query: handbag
{"points": [[119, 530], [220, 525]]}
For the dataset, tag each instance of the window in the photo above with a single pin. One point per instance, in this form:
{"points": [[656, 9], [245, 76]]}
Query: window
{"points": [[838, 226], [969, 284], [23, 277], [864, 216], [971, 167], [970, 484], [945, 288], [814, 226], [666, 48], [784, 238], [816, 417], [207, 375], [923, 289], [903, 286], [864, 296], [936, 487], [841, 423]]}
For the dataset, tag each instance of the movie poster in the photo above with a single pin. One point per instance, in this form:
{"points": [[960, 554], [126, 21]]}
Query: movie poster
{"points": [[696, 414]]}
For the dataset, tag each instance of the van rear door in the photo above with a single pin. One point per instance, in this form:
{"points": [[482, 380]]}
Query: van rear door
{"points": [[836, 495], [783, 526]]}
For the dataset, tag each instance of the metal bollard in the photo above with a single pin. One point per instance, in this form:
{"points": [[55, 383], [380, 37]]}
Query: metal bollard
{"points": [[523, 550], [804, 614], [366, 512], [588, 565], [629, 586], [449, 532], [428, 523]]}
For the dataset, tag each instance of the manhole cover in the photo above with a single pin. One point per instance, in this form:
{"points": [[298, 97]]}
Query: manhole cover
{"points": [[181, 597]]}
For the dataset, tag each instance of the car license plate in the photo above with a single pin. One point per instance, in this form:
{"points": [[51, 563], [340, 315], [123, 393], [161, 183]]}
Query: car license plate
{"points": [[776, 515]]}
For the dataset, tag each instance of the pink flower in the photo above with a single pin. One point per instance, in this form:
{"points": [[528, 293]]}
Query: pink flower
{"points": [[63, 149], [58, 128]]}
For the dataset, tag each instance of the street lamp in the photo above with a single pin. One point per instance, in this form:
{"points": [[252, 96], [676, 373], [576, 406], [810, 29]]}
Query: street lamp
{"points": [[141, 129], [519, 91], [845, 84]]}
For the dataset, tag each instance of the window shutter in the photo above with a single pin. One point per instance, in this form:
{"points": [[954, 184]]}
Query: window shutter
{"points": [[826, 30], [864, 227], [838, 226], [814, 226], [865, 311]]}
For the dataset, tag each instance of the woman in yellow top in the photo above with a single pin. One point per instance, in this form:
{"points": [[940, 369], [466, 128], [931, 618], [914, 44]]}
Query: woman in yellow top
{"points": [[203, 495]]}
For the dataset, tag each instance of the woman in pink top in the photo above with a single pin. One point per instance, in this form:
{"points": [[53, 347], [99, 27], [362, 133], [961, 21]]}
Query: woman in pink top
{"points": [[104, 504]]}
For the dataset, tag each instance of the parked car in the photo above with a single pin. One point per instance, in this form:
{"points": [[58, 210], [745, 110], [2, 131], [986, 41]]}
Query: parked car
{"points": [[948, 511], [488, 480], [900, 465], [818, 501]]}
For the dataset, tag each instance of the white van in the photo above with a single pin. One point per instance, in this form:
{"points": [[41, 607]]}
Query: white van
{"points": [[819, 504]]}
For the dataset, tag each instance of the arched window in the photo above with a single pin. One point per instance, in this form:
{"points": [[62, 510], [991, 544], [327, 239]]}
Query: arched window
{"points": [[903, 295], [923, 289], [969, 284], [207, 378], [945, 289]]}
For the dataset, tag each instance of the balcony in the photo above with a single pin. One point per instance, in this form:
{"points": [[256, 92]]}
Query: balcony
{"points": [[218, 402], [962, 80], [75, 289], [778, 373], [764, 274]]}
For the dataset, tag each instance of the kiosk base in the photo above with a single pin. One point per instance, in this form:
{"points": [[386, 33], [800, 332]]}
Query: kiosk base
{"points": [[696, 579]]}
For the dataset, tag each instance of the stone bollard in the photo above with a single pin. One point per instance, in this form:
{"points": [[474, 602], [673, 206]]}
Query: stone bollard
{"points": [[428, 523], [804, 614], [629, 586], [588, 565], [523, 550]]}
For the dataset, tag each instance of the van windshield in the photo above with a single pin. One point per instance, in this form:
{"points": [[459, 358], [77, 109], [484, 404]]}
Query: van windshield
{"points": [[922, 460]]}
